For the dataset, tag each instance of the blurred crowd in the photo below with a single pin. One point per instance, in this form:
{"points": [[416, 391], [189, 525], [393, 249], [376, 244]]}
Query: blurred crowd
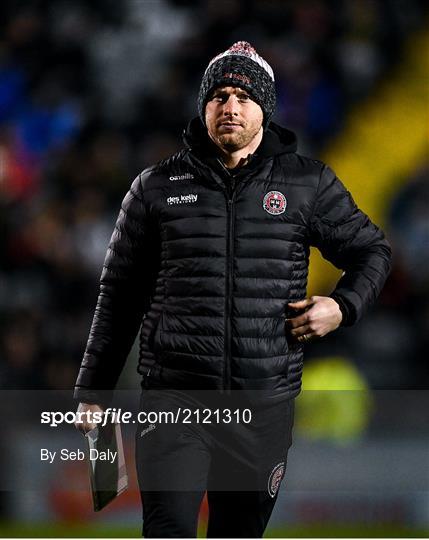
{"points": [[91, 92]]}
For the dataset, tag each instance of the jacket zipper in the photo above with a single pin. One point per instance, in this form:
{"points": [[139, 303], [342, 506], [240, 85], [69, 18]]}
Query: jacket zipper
{"points": [[230, 194]]}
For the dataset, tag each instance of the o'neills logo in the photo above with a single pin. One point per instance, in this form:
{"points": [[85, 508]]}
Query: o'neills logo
{"points": [[275, 478], [186, 176], [150, 428], [238, 76], [274, 203], [183, 199]]}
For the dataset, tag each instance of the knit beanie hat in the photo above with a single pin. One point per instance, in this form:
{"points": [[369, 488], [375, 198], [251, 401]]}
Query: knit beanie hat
{"points": [[240, 66]]}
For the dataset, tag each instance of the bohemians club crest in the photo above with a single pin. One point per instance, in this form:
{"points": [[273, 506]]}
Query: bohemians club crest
{"points": [[275, 478], [274, 203]]}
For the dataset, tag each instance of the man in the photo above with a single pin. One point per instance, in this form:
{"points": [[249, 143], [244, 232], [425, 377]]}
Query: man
{"points": [[211, 249]]}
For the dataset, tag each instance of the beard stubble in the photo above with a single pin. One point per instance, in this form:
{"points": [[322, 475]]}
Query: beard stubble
{"points": [[236, 141]]}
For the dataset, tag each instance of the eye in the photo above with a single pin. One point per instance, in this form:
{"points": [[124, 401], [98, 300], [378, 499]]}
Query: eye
{"points": [[244, 97], [219, 98]]}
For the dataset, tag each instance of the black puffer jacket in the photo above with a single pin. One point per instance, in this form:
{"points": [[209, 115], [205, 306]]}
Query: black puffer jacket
{"points": [[209, 260]]}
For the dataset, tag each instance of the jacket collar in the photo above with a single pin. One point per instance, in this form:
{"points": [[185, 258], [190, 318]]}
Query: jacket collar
{"points": [[276, 140]]}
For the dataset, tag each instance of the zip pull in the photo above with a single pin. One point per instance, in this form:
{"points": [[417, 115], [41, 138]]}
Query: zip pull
{"points": [[145, 378], [230, 189], [232, 185]]}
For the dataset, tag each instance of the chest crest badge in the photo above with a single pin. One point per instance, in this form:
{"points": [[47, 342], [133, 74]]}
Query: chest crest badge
{"points": [[274, 203]]}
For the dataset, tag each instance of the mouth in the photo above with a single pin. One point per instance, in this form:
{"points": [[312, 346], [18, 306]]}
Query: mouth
{"points": [[230, 126]]}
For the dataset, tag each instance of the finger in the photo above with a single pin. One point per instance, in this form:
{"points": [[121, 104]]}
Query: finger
{"points": [[296, 322], [84, 427], [301, 304], [305, 338], [81, 428], [300, 331]]}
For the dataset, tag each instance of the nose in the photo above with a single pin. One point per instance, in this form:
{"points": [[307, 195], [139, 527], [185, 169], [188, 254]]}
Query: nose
{"points": [[230, 107]]}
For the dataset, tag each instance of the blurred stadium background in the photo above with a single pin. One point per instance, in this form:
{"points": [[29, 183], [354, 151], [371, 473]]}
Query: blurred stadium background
{"points": [[91, 92]]}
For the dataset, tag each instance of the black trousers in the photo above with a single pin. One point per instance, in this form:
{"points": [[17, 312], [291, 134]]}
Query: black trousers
{"points": [[240, 465]]}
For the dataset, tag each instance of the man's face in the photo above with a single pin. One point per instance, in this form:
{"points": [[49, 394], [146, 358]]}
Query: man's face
{"points": [[233, 119]]}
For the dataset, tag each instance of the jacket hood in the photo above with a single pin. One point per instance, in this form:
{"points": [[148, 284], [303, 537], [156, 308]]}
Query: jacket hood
{"points": [[276, 140]]}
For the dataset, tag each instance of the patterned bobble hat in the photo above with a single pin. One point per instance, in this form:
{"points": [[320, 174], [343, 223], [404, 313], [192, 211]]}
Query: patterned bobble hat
{"points": [[240, 66]]}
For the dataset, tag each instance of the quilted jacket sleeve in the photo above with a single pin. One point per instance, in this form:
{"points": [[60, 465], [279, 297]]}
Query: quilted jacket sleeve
{"points": [[121, 302], [346, 237]]}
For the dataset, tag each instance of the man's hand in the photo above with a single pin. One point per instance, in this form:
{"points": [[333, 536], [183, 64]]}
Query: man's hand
{"points": [[84, 408], [321, 316]]}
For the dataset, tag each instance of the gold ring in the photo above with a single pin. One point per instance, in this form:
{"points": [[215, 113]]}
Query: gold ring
{"points": [[305, 337]]}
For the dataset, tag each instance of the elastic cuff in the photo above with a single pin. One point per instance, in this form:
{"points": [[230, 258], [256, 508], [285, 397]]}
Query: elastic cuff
{"points": [[94, 397], [343, 308]]}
